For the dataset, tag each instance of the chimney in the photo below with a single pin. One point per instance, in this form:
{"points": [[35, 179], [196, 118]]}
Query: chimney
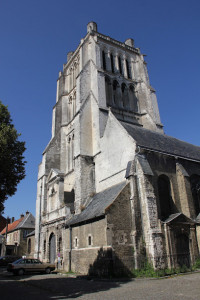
{"points": [[13, 219], [21, 216], [27, 212]]}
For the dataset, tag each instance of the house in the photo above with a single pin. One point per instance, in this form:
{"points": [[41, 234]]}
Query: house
{"points": [[113, 190], [16, 234]]}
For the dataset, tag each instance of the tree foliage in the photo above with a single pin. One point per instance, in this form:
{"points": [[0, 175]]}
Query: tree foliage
{"points": [[12, 163]]}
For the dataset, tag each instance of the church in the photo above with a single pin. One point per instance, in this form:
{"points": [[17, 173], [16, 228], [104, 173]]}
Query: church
{"points": [[114, 191]]}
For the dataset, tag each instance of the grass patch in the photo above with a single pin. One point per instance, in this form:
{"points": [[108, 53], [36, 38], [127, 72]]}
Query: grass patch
{"points": [[148, 270]]}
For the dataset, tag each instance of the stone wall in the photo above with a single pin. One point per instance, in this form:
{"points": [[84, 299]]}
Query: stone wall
{"points": [[119, 228], [86, 242]]}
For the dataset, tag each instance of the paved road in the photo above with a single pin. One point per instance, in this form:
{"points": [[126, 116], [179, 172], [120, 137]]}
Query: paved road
{"points": [[43, 287]]}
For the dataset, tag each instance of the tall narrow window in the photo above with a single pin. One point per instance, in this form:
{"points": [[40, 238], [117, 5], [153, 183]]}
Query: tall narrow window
{"points": [[89, 240], [29, 246], [112, 63], [124, 95], [128, 69], [74, 75], [108, 91], [133, 101], [165, 199], [195, 187], [70, 109], [120, 64], [104, 60], [71, 79], [69, 154], [44, 247], [115, 94], [74, 104]]}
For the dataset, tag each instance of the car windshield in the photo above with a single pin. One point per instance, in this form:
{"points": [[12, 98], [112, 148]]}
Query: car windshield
{"points": [[19, 261]]}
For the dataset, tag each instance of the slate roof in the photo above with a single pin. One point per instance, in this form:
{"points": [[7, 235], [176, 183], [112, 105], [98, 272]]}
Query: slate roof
{"points": [[178, 217], [98, 204], [161, 142], [28, 221]]}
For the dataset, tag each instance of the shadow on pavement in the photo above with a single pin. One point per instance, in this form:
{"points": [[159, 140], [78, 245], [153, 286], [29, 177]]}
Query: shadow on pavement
{"points": [[74, 287], [53, 286]]}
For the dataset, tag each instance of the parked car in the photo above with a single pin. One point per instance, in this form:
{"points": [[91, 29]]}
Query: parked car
{"points": [[25, 265], [5, 260]]}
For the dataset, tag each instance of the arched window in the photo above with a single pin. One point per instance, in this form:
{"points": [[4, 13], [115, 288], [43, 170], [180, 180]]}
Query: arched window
{"points": [[70, 109], [165, 199], [74, 75], [133, 101], [108, 91], [195, 187], [128, 69], [29, 246], [74, 104], [71, 79], [104, 60], [120, 64], [115, 92], [44, 247], [124, 95], [69, 154], [112, 63]]}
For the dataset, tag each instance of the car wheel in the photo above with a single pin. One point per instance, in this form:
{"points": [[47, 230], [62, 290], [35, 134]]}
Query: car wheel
{"points": [[21, 272], [47, 270]]}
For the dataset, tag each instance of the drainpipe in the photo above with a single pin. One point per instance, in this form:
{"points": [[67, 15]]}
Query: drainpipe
{"points": [[70, 248], [38, 254]]}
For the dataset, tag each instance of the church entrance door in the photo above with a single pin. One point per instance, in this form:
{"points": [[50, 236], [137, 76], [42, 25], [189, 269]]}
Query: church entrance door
{"points": [[183, 250], [52, 248]]}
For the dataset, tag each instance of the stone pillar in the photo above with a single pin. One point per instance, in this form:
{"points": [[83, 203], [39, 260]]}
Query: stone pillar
{"points": [[116, 64], [185, 194], [151, 231], [124, 67]]}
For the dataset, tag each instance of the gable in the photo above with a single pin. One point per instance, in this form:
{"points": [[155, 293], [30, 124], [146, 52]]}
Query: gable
{"points": [[53, 174]]}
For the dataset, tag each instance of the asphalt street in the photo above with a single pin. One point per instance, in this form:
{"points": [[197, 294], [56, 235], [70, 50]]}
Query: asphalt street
{"points": [[55, 286]]}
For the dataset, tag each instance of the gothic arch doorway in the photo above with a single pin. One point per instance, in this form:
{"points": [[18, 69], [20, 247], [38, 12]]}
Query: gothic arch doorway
{"points": [[52, 248], [183, 250]]}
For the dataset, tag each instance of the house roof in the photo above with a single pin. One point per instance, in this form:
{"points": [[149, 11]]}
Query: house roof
{"points": [[12, 226], [28, 221], [178, 217], [98, 204], [152, 140]]}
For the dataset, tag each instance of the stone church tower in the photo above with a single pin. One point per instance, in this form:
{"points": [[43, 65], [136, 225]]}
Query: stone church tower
{"points": [[111, 183]]}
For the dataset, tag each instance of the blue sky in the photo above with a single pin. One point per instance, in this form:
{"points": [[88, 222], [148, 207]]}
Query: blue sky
{"points": [[35, 36]]}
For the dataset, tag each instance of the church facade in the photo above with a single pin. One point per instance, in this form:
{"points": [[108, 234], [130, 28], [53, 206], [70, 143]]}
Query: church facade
{"points": [[113, 190]]}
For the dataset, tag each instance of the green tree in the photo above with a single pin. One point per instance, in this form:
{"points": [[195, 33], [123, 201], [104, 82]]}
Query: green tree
{"points": [[12, 163]]}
